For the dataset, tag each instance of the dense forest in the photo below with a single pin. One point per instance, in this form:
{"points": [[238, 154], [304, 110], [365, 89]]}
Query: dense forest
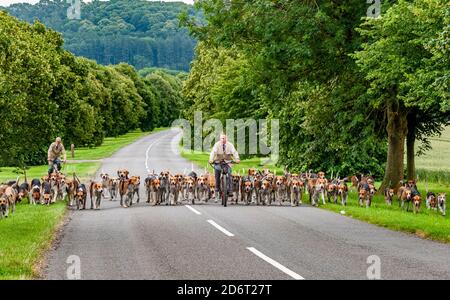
{"points": [[138, 32], [350, 91], [46, 91]]}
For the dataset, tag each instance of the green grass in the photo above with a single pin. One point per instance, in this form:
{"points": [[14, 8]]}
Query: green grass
{"points": [[426, 224], [24, 238], [26, 235], [110, 146], [83, 170], [438, 158]]}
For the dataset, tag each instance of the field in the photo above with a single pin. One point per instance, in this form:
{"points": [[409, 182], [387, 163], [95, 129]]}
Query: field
{"points": [[26, 235], [434, 166]]}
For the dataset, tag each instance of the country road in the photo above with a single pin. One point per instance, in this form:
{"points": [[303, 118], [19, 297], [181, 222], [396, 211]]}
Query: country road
{"points": [[237, 242]]}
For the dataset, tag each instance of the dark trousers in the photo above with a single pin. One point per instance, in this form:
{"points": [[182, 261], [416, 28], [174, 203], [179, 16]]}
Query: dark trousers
{"points": [[217, 173]]}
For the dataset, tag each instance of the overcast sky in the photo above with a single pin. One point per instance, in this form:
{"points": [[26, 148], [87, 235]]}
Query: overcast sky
{"points": [[8, 2]]}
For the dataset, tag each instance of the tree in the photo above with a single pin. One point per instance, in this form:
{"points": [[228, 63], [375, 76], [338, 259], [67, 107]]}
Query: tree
{"points": [[395, 50]]}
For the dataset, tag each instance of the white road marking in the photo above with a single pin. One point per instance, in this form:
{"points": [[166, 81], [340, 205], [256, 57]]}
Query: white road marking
{"points": [[193, 209], [275, 264], [226, 232], [148, 150]]}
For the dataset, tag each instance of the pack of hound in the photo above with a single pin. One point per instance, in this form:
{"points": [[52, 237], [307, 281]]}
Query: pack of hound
{"points": [[251, 187]]}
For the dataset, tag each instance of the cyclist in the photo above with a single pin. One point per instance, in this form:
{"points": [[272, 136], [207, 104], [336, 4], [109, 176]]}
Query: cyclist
{"points": [[222, 151], [54, 152]]}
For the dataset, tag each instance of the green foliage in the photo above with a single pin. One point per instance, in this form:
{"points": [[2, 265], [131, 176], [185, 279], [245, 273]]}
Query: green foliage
{"points": [[46, 91], [141, 33], [293, 61]]}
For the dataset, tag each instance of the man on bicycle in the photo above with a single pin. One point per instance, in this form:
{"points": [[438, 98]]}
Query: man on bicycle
{"points": [[222, 151], [54, 151]]}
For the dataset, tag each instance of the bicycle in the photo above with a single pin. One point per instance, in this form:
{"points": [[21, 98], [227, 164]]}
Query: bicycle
{"points": [[57, 164], [224, 179]]}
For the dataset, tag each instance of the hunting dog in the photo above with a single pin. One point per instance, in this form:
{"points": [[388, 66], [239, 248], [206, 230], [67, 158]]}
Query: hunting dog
{"points": [[23, 191], [46, 192], [441, 199], [405, 197], [153, 188], [235, 187], [164, 179], [416, 201], [202, 187], [296, 187], [265, 192], [189, 186], [132, 188], [8, 201], [70, 190], [105, 181], [174, 191], [431, 201], [388, 195], [280, 187], [123, 184], [332, 191], [343, 191], [246, 190], [96, 191], [81, 196], [35, 193], [54, 186]]}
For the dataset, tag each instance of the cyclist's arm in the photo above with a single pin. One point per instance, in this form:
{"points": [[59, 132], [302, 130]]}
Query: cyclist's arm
{"points": [[212, 154], [235, 154], [63, 151]]}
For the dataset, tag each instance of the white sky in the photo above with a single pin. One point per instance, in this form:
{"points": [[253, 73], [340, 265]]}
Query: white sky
{"points": [[8, 2]]}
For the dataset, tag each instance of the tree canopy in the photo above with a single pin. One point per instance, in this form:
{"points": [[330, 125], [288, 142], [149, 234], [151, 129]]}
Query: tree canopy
{"points": [[138, 32], [46, 91]]}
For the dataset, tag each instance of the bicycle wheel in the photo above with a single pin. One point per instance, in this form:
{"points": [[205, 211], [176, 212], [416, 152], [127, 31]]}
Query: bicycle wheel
{"points": [[224, 190]]}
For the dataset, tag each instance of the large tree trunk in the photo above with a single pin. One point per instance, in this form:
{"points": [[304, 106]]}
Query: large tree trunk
{"points": [[410, 143], [396, 130]]}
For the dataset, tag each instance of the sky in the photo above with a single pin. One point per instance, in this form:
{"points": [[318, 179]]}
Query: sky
{"points": [[9, 2]]}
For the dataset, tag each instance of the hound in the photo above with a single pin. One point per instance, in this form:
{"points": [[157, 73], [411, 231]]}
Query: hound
{"points": [[363, 197], [388, 195], [35, 192], [202, 188], [317, 191], [112, 187], [23, 192], [265, 192], [46, 192], [153, 188], [212, 187], [431, 201], [246, 190], [173, 191], [189, 189], [106, 184], [296, 189], [132, 188], [70, 190], [62, 187], [8, 202], [280, 188], [235, 187], [164, 179], [343, 191], [332, 191], [81, 196], [96, 191], [320, 186], [406, 197], [441, 199], [54, 186], [416, 201], [123, 184]]}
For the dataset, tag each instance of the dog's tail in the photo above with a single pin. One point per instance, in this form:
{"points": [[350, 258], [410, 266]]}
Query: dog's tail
{"points": [[91, 189]]}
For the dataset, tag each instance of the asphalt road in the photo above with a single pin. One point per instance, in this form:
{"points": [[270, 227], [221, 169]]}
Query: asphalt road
{"points": [[237, 242]]}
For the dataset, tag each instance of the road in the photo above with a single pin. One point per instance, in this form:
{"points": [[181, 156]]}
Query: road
{"points": [[237, 242]]}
